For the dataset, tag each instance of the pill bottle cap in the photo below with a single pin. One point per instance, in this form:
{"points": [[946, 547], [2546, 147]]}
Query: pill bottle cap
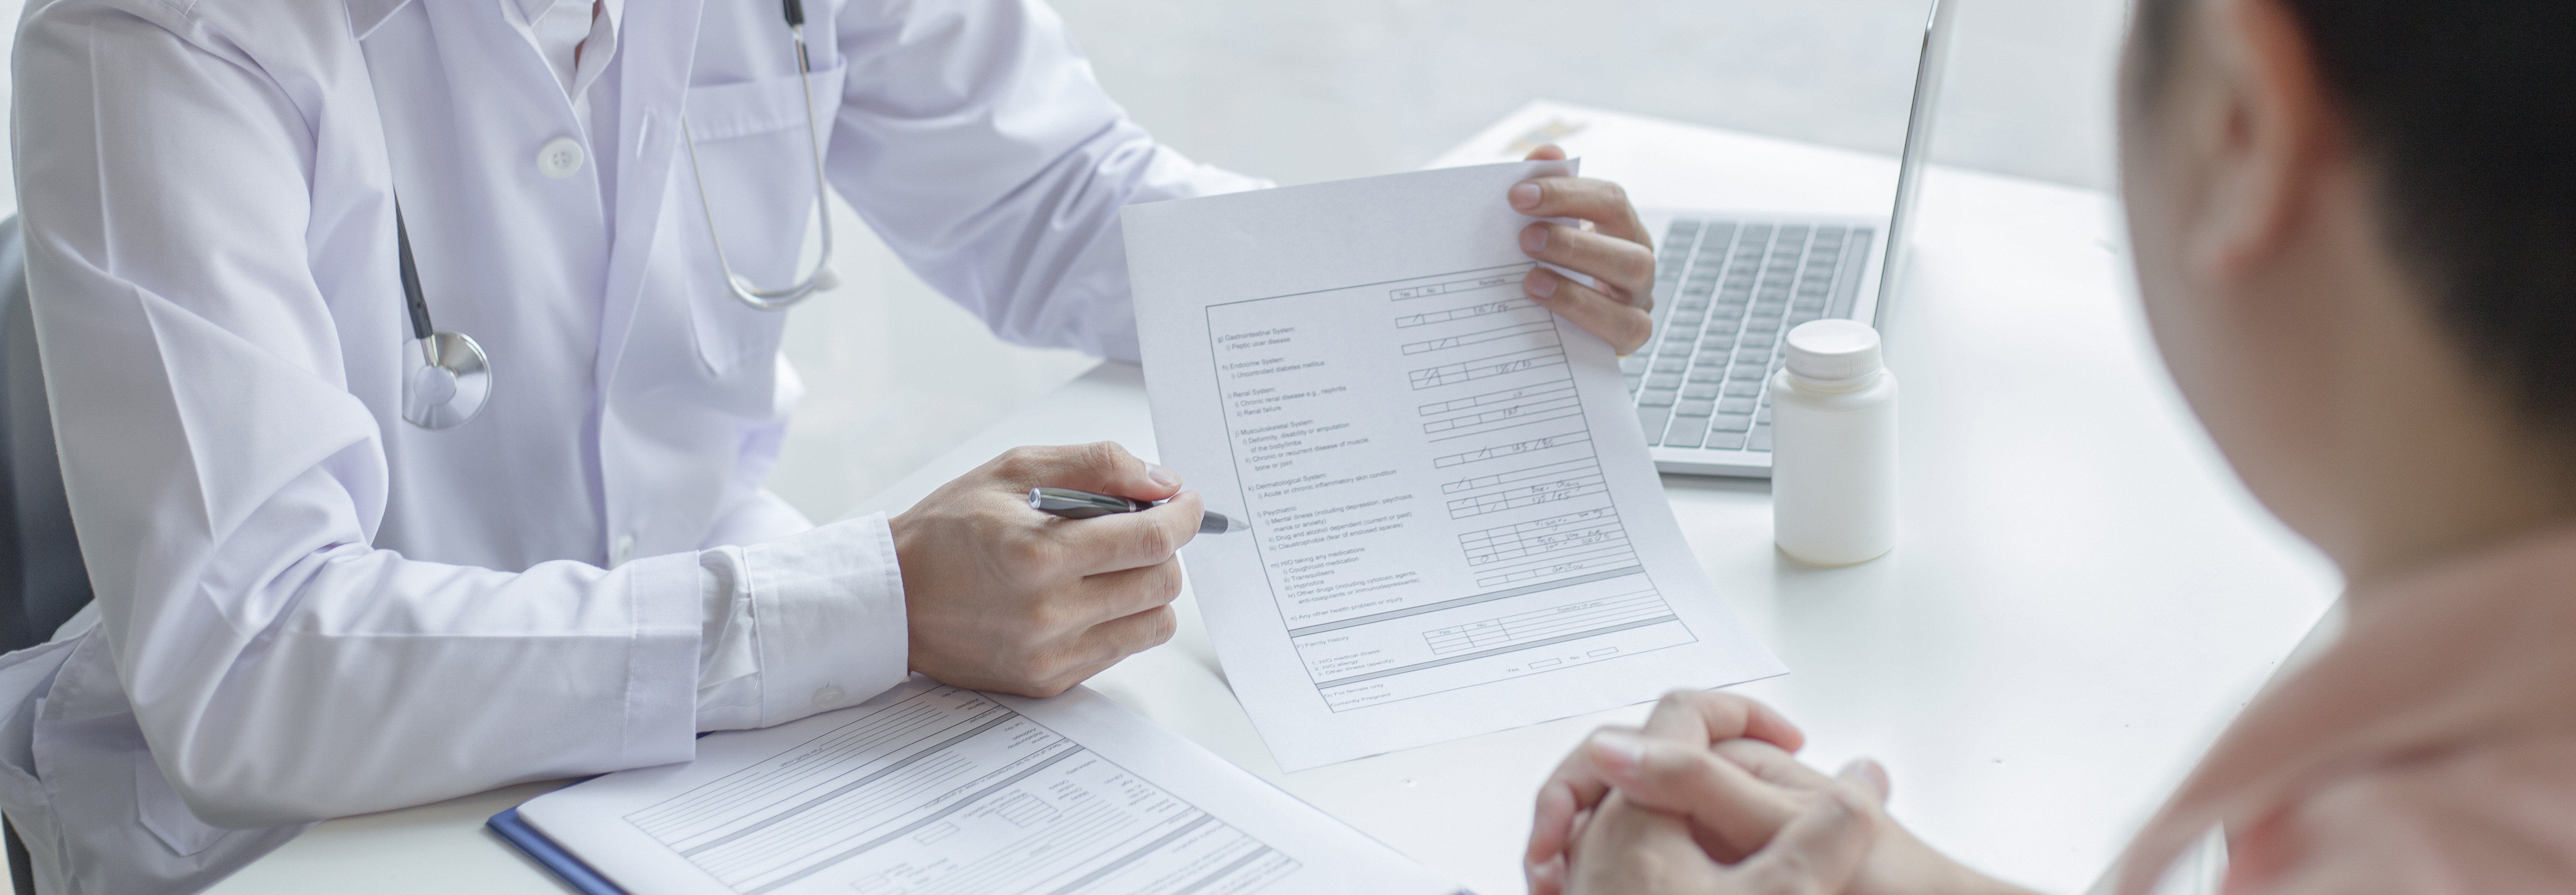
{"points": [[1829, 350]]}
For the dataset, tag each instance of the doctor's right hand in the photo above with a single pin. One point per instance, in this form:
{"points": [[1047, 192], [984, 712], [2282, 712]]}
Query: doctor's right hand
{"points": [[1002, 597]]}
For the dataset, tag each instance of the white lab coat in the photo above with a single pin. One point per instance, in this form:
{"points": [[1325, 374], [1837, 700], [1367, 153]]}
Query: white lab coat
{"points": [[308, 608]]}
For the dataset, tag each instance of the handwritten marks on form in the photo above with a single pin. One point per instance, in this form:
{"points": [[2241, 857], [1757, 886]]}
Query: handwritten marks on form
{"points": [[1456, 526]]}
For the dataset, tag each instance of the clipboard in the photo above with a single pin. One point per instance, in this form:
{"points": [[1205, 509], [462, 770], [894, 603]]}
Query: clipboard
{"points": [[536, 845]]}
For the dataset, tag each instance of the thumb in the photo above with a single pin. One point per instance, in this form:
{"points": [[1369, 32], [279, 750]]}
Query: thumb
{"points": [[1106, 468], [1821, 849], [1868, 774]]}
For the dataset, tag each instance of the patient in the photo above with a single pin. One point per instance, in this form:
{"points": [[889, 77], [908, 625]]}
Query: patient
{"points": [[2355, 231]]}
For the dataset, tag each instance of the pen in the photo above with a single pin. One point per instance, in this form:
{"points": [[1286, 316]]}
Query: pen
{"points": [[1071, 504]]}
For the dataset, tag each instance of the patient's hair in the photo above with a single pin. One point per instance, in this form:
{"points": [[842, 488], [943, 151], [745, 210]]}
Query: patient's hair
{"points": [[2468, 109]]}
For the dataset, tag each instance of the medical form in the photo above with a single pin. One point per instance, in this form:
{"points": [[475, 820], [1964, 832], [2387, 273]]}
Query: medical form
{"points": [[1456, 527], [933, 790]]}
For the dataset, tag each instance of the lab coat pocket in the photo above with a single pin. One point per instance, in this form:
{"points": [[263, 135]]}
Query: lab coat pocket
{"points": [[756, 172]]}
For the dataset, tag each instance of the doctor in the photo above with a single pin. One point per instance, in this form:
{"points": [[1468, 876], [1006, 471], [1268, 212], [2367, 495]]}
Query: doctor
{"points": [[332, 579]]}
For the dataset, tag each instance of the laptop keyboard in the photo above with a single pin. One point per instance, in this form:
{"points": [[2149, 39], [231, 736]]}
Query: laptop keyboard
{"points": [[1726, 292]]}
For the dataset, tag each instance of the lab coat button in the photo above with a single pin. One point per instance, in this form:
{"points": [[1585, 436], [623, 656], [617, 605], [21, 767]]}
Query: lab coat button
{"points": [[623, 551], [827, 696], [559, 158]]}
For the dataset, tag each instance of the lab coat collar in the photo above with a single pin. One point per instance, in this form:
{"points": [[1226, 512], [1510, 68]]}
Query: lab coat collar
{"points": [[652, 94], [365, 15]]}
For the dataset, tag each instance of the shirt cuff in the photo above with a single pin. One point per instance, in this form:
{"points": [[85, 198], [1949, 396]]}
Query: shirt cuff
{"points": [[658, 669], [803, 624]]}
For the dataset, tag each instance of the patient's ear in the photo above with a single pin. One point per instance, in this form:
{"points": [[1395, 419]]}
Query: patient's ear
{"points": [[2267, 139], [2240, 190]]}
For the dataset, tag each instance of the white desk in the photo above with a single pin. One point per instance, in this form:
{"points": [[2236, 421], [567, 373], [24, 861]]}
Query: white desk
{"points": [[2081, 598]]}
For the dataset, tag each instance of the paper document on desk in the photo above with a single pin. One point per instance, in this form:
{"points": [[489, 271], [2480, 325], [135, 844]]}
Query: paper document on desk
{"points": [[1456, 527], [933, 790]]}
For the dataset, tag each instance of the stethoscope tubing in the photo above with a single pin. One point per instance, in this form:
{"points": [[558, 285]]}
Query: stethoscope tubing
{"points": [[467, 370], [414, 299], [820, 279]]}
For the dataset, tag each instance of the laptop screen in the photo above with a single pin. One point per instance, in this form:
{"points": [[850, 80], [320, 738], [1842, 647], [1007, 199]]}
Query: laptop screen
{"points": [[1918, 149]]}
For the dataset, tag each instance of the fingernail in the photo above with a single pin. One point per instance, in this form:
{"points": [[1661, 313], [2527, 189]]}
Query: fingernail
{"points": [[1545, 872], [1618, 752], [1524, 196], [1541, 284], [1534, 238], [1869, 774], [1161, 476]]}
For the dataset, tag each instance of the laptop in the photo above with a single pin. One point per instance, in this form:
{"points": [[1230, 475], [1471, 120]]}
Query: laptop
{"points": [[1729, 287]]}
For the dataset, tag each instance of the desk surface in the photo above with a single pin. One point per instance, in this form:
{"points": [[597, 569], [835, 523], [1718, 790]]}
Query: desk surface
{"points": [[2081, 597]]}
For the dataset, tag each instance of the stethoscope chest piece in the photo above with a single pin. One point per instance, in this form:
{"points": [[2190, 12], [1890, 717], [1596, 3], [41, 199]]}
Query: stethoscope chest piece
{"points": [[450, 391], [447, 379]]}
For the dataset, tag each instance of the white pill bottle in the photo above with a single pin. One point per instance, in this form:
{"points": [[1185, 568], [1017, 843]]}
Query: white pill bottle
{"points": [[1833, 446]]}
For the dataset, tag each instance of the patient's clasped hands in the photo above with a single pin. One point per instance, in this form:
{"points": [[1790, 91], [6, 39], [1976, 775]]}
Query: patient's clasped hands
{"points": [[1707, 798]]}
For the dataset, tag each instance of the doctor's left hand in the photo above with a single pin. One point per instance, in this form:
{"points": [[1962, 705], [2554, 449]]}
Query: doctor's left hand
{"points": [[1002, 597], [1615, 251]]}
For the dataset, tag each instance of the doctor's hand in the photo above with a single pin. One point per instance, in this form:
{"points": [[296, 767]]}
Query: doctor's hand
{"points": [[1615, 251], [1002, 597]]}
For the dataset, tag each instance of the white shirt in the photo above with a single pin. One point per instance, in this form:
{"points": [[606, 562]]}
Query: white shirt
{"points": [[309, 608], [561, 29]]}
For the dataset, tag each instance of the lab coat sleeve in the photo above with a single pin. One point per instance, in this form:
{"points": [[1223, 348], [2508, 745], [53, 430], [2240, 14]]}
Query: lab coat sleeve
{"points": [[973, 137], [802, 624], [802, 620], [227, 485]]}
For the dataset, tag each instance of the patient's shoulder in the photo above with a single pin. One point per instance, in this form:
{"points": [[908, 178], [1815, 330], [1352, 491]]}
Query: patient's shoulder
{"points": [[2489, 818]]}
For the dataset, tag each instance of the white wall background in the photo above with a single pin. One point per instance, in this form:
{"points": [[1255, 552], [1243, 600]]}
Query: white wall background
{"points": [[1307, 90]]}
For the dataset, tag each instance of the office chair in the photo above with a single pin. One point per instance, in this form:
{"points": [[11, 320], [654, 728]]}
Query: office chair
{"points": [[42, 580]]}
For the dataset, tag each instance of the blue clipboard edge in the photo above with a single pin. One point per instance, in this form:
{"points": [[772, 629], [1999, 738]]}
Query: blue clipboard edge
{"points": [[570, 869], [543, 850]]}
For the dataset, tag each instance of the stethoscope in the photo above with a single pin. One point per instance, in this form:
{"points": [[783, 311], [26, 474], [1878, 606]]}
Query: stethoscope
{"points": [[451, 379]]}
